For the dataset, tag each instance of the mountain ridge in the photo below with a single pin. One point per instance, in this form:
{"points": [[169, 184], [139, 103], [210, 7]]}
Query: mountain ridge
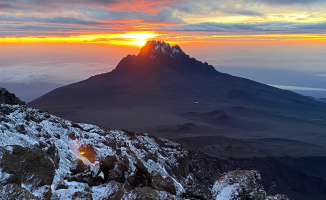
{"points": [[178, 81]]}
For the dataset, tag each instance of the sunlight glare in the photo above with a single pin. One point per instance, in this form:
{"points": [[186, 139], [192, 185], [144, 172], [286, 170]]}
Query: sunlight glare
{"points": [[132, 38], [138, 39]]}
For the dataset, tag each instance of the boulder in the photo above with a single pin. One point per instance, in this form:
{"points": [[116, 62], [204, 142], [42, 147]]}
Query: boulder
{"points": [[162, 183], [140, 177], [95, 181], [81, 177], [121, 167], [108, 163], [239, 184], [78, 167], [16, 192], [43, 192], [61, 185], [116, 176], [31, 167], [81, 196], [10, 177], [113, 191], [180, 170], [138, 180], [141, 169], [53, 153], [195, 191]]}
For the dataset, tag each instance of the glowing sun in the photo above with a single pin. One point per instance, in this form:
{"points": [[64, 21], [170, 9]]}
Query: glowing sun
{"points": [[138, 39]]}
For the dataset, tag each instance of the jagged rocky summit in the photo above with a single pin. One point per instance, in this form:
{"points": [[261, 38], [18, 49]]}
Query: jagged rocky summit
{"points": [[46, 157]]}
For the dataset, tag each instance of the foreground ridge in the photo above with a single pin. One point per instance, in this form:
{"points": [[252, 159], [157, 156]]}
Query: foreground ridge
{"points": [[46, 157]]}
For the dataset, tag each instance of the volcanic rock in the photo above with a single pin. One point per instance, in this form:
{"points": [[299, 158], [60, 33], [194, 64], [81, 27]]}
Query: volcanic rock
{"points": [[9, 98], [147, 193], [35, 168], [82, 196], [113, 191], [78, 167], [61, 185], [239, 185], [14, 191], [162, 183]]}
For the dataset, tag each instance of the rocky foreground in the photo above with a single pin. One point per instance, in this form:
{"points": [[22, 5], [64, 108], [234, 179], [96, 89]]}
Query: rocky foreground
{"points": [[46, 157]]}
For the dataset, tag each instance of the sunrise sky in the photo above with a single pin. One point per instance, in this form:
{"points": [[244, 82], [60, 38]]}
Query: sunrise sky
{"points": [[133, 22], [50, 41]]}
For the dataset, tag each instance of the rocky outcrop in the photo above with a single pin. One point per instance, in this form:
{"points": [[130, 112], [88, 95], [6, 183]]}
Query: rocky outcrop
{"points": [[25, 173], [82, 161], [9, 98], [78, 167], [162, 183], [113, 191], [14, 191], [82, 196], [51, 158], [241, 184], [61, 185], [194, 190]]}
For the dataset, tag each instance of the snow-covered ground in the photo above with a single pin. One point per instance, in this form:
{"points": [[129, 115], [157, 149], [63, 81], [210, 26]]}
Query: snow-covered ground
{"points": [[29, 127]]}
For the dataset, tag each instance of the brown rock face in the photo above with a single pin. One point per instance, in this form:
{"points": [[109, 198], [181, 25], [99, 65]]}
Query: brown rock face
{"points": [[138, 180], [33, 166], [162, 183], [78, 167], [14, 191], [61, 185], [108, 163], [242, 184], [113, 191], [81, 195], [239, 184], [195, 191], [116, 176]]}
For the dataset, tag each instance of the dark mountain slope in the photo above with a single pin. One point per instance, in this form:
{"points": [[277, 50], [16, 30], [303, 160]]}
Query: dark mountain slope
{"points": [[164, 76], [160, 85]]}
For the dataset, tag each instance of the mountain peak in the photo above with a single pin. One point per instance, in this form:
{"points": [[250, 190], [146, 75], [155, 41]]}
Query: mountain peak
{"points": [[154, 48], [160, 57]]}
